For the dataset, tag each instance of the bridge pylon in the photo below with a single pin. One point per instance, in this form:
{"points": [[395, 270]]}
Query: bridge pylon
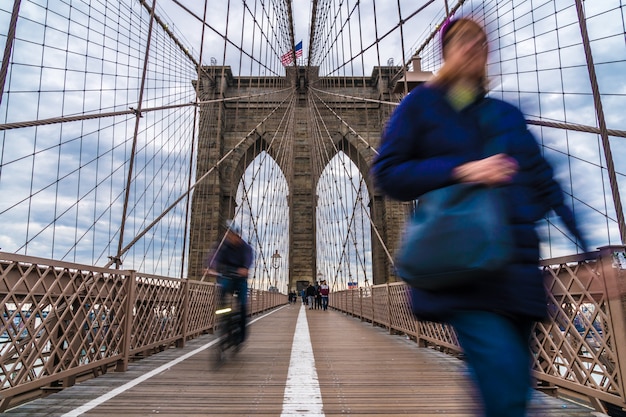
{"points": [[234, 129]]}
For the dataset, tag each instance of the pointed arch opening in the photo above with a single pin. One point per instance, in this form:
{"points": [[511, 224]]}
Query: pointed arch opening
{"points": [[263, 211], [343, 230]]}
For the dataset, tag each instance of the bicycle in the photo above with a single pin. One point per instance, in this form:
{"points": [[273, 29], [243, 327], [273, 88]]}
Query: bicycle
{"points": [[228, 322]]}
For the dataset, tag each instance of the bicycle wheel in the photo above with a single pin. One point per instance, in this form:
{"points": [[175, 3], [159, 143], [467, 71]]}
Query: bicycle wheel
{"points": [[218, 356]]}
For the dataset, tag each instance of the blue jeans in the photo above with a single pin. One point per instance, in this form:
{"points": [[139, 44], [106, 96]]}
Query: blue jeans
{"points": [[325, 302], [498, 354], [229, 286]]}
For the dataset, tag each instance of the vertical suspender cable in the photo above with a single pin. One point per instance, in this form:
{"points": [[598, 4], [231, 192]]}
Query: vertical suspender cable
{"points": [[117, 258], [8, 47], [601, 122], [193, 144]]}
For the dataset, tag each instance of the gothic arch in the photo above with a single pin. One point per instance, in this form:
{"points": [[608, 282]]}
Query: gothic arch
{"points": [[256, 144], [360, 154]]}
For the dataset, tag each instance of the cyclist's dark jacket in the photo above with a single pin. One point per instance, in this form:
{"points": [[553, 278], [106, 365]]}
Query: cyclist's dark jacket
{"points": [[230, 257]]}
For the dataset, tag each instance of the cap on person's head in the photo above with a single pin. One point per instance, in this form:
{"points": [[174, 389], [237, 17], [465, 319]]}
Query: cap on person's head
{"points": [[233, 227]]}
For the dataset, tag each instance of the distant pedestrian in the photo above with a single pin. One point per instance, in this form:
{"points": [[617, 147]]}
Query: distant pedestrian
{"points": [[324, 290], [310, 295], [318, 296]]}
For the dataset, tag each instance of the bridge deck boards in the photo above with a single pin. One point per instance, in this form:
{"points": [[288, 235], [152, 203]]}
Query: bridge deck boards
{"points": [[362, 371]]}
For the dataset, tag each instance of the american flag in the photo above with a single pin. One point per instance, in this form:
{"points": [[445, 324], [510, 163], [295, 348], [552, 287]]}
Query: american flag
{"points": [[289, 57], [299, 50]]}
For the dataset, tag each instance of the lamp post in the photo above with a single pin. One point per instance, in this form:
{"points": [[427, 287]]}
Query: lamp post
{"points": [[276, 264], [320, 277]]}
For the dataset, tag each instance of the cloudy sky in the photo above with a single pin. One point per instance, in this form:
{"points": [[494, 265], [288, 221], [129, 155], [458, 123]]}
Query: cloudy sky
{"points": [[63, 183]]}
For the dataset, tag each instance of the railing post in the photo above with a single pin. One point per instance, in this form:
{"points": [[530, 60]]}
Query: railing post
{"points": [[388, 307], [373, 306], [214, 294], [180, 343], [122, 364], [352, 311], [613, 272], [343, 301], [361, 303]]}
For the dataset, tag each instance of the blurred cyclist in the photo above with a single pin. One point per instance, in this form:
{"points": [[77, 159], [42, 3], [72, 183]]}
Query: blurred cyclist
{"points": [[231, 263]]}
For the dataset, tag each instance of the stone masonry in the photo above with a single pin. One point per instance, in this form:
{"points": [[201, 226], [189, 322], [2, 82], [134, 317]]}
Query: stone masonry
{"points": [[223, 124]]}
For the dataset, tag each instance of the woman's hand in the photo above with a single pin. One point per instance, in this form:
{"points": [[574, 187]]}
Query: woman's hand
{"points": [[494, 170]]}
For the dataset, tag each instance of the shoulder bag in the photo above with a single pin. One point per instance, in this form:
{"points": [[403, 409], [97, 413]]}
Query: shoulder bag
{"points": [[456, 235]]}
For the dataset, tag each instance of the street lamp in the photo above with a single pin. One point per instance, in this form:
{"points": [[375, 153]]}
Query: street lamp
{"points": [[320, 276], [276, 264]]}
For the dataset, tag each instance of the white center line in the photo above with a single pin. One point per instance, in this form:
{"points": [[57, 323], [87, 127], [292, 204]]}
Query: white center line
{"points": [[303, 397]]}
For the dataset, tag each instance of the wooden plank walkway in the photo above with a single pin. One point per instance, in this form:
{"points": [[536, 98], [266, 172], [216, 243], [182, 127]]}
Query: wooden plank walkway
{"points": [[361, 369]]}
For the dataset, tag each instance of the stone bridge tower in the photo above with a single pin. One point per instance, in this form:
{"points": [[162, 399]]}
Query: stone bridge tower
{"points": [[224, 124]]}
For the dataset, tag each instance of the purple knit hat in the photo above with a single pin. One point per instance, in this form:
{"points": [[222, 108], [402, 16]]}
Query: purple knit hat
{"points": [[445, 28]]}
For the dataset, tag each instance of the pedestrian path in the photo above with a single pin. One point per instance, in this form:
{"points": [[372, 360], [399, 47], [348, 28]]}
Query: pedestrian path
{"points": [[296, 362]]}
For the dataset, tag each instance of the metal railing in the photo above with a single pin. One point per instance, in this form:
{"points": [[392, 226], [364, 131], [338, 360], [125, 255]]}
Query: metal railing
{"points": [[62, 321], [581, 349]]}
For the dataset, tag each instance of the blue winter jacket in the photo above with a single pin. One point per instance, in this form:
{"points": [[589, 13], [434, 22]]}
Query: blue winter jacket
{"points": [[424, 140]]}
